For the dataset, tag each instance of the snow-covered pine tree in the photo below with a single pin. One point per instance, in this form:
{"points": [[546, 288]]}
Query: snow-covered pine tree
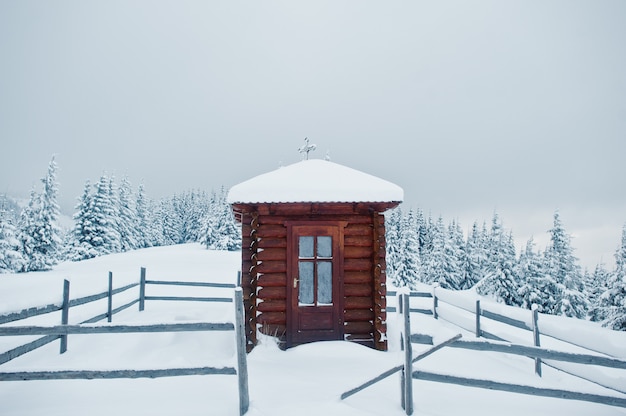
{"points": [[85, 237], [536, 287], [408, 265], [562, 267], [613, 300], [145, 232], [11, 259], [458, 251], [127, 220], [499, 281], [393, 223], [475, 256], [596, 284], [39, 233], [440, 266]]}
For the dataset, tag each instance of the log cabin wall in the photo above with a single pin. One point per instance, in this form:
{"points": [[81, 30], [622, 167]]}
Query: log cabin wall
{"points": [[264, 267]]}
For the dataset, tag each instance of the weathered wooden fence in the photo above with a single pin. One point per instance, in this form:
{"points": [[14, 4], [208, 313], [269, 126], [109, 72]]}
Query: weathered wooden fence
{"points": [[52, 333], [535, 352]]}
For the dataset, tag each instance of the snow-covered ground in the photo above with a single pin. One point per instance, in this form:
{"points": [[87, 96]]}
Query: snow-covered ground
{"points": [[306, 380]]}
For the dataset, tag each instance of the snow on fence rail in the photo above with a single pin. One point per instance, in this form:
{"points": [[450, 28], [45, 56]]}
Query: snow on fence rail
{"points": [[62, 331]]}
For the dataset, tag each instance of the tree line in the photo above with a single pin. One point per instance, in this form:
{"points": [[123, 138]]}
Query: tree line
{"points": [[112, 217], [424, 250], [109, 217]]}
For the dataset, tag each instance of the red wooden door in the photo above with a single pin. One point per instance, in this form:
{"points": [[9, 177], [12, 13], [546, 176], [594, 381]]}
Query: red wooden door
{"points": [[314, 284]]}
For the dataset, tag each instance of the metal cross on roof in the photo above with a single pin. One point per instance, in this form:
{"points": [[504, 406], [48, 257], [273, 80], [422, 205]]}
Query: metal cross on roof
{"points": [[306, 148]]}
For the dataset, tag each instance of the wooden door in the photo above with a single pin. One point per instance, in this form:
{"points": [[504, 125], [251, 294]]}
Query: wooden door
{"points": [[314, 284]]}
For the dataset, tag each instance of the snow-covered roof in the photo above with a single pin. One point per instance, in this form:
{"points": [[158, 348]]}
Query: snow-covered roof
{"points": [[315, 181]]}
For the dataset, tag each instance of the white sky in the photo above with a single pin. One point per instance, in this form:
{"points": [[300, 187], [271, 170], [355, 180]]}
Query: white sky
{"points": [[471, 107]]}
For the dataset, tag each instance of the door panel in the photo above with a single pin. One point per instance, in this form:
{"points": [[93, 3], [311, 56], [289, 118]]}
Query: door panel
{"points": [[315, 296]]}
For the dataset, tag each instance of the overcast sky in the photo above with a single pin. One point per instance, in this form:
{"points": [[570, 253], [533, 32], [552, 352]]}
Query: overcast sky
{"points": [[517, 107]]}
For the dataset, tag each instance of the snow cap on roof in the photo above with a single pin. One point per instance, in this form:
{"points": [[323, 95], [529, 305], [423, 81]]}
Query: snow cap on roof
{"points": [[315, 181]]}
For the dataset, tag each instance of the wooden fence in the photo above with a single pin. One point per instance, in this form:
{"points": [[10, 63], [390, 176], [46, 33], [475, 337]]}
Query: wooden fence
{"points": [[535, 352], [52, 333]]}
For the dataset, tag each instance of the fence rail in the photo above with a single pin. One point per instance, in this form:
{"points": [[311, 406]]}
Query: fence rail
{"points": [[407, 373], [52, 333]]}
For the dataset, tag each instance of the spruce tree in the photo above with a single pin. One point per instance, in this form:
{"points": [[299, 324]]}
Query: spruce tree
{"points": [[613, 301], [407, 271], [11, 259], [536, 287], [393, 221], [562, 267], [85, 237], [499, 281], [127, 217]]}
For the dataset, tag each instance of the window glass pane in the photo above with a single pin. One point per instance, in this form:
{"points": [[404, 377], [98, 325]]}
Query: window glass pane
{"points": [[324, 282], [305, 292], [324, 246], [306, 247]]}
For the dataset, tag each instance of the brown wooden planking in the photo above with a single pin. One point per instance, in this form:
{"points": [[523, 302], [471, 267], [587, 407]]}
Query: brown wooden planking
{"points": [[272, 231], [358, 327], [358, 277], [355, 265], [357, 240], [352, 315], [355, 252], [353, 230], [360, 337], [272, 254], [357, 290], [272, 305], [272, 293], [272, 243], [277, 318], [358, 303], [272, 266], [272, 280]]}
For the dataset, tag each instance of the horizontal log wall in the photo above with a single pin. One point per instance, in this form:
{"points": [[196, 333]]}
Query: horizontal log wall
{"points": [[363, 267]]}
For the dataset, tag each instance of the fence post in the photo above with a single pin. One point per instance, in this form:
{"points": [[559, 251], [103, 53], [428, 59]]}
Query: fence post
{"points": [[435, 303], [242, 363], [536, 337], [65, 312], [407, 388], [110, 305], [142, 289], [478, 332]]}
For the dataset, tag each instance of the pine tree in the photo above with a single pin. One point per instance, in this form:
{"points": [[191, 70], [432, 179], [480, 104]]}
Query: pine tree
{"points": [[613, 301], [393, 221], [145, 231], [596, 284], [407, 271], [475, 256], [562, 267], [499, 281], [39, 233], [127, 217], [11, 259], [536, 287], [85, 237], [440, 266]]}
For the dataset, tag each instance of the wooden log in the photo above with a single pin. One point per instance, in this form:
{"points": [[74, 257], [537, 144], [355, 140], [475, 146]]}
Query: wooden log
{"points": [[353, 230], [357, 241], [356, 315], [358, 327], [65, 310], [271, 266], [272, 254], [358, 277], [272, 293], [276, 318], [272, 243], [273, 305], [356, 265], [357, 252], [242, 361], [272, 231], [358, 303], [272, 279], [357, 290], [114, 329]]}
